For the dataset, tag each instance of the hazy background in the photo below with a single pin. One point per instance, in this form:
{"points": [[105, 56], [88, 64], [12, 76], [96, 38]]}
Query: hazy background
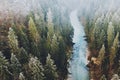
{"points": [[18, 7]]}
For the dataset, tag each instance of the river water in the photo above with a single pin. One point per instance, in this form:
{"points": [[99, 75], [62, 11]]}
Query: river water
{"points": [[78, 63]]}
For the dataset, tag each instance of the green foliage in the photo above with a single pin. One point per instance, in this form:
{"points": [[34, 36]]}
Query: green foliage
{"points": [[101, 55], [44, 31], [115, 77], [4, 71], [34, 38], [102, 32], [98, 34], [40, 24], [50, 25], [33, 33], [50, 69], [103, 77], [21, 76], [50, 28], [110, 33], [22, 37], [15, 66], [114, 49], [23, 56], [36, 69], [13, 42], [118, 69], [54, 46]]}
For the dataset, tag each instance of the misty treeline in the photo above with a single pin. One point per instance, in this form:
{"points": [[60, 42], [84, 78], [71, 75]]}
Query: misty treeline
{"points": [[35, 44], [102, 28]]}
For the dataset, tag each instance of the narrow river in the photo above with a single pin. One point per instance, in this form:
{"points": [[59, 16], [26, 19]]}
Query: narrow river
{"points": [[78, 63]]}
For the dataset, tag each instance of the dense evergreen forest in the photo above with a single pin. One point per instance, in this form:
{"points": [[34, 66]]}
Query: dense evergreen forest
{"points": [[35, 44], [36, 38], [102, 28]]}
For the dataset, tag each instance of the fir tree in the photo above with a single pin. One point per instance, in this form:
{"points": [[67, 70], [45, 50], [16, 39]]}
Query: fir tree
{"points": [[110, 33], [115, 77], [33, 33], [22, 37], [118, 69], [4, 71], [40, 23], [50, 27], [62, 57], [13, 42], [114, 49], [54, 46], [34, 38], [50, 69], [101, 54], [15, 66], [50, 23], [98, 34], [21, 76], [23, 56], [36, 69], [103, 77]]}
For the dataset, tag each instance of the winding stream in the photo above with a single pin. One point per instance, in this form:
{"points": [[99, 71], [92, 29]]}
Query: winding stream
{"points": [[78, 63]]}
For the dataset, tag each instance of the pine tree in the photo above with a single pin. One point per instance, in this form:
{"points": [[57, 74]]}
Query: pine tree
{"points": [[34, 38], [4, 71], [36, 69], [40, 23], [50, 69], [103, 77], [50, 27], [62, 58], [33, 33], [42, 30], [114, 49], [35, 49], [22, 37], [39, 18], [98, 33], [15, 66], [101, 38], [101, 54], [23, 56], [13, 42], [50, 23], [118, 69], [54, 45], [110, 33], [21, 76], [115, 77]]}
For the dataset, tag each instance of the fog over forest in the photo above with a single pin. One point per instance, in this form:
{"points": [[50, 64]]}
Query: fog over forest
{"points": [[59, 39]]}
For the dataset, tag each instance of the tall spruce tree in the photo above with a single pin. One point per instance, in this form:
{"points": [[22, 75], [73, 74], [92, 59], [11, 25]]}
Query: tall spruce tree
{"points": [[50, 27], [15, 66], [22, 37], [13, 42], [50, 69], [50, 24], [33, 33], [36, 69], [23, 56], [54, 46], [34, 38], [110, 33], [103, 77], [62, 58], [21, 76], [4, 71], [114, 48], [101, 54]]}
